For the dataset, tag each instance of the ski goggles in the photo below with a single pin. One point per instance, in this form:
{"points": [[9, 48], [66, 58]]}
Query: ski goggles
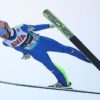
{"points": [[3, 31]]}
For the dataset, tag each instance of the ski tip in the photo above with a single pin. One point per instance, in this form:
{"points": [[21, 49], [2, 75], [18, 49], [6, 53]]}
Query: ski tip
{"points": [[46, 10]]}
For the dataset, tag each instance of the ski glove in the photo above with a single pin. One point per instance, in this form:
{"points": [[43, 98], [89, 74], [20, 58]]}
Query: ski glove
{"points": [[26, 56], [51, 26]]}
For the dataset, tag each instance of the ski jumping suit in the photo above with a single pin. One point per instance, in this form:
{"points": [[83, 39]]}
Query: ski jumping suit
{"points": [[26, 41]]}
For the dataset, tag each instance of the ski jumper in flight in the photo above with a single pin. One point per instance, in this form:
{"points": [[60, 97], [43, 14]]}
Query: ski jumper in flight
{"points": [[24, 39]]}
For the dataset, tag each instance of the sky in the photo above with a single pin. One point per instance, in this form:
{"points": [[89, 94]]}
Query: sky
{"points": [[82, 17]]}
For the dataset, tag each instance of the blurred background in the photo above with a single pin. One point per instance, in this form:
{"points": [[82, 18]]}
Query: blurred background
{"points": [[82, 17]]}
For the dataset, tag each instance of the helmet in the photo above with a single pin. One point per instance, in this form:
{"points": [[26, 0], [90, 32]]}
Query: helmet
{"points": [[4, 28]]}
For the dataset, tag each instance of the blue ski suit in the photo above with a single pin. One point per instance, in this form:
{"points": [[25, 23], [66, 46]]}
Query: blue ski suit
{"points": [[24, 39]]}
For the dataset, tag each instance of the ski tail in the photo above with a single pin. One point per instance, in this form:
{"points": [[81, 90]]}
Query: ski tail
{"points": [[64, 30], [86, 51]]}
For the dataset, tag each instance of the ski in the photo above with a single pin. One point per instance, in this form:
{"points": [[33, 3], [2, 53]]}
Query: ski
{"points": [[63, 29], [50, 88]]}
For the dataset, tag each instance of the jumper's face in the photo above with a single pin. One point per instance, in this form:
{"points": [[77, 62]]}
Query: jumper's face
{"points": [[4, 30], [5, 36]]}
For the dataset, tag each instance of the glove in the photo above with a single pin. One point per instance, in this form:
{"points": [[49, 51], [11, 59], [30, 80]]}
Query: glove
{"points": [[26, 56], [51, 26]]}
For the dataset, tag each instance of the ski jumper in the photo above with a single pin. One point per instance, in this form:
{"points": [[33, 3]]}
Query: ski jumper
{"points": [[24, 39]]}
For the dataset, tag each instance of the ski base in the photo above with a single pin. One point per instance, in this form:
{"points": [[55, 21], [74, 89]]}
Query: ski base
{"points": [[64, 30], [50, 88]]}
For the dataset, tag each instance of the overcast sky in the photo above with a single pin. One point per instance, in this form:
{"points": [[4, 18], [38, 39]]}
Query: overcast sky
{"points": [[83, 19]]}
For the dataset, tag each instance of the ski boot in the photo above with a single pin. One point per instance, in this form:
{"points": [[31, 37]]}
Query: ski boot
{"points": [[60, 85]]}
